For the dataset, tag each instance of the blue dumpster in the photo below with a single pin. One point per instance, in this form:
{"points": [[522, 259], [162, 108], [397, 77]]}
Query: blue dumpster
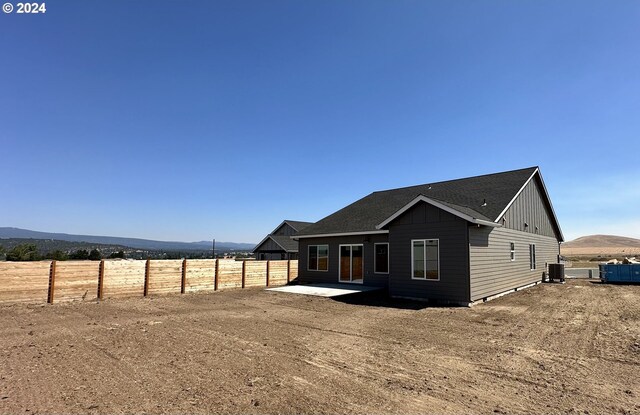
{"points": [[620, 272]]}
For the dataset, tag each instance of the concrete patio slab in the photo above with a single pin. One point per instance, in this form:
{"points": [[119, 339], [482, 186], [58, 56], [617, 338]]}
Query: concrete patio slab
{"points": [[324, 290]]}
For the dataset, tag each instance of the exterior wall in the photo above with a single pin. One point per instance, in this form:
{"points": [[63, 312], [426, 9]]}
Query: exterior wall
{"points": [[491, 269], [424, 221], [331, 276], [275, 256], [269, 245], [530, 207]]}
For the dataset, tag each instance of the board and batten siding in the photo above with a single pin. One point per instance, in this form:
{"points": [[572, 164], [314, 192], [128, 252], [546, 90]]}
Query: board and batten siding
{"points": [[424, 221], [531, 208], [269, 245], [331, 276], [285, 230], [491, 269]]}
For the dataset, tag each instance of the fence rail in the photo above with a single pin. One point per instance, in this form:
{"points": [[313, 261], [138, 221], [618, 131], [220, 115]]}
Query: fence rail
{"points": [[54, 281]]}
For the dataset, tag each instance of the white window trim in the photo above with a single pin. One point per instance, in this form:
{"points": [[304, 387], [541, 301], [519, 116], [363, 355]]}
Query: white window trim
{"points": [[350, 262], [513, 258], [425, 259], [532, 258], [375, 258], [309, 256]]}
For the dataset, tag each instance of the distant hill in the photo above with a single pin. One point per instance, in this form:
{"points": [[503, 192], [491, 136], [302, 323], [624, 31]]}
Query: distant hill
{"points": [[601, 245], [603, 241], [148, 244]]}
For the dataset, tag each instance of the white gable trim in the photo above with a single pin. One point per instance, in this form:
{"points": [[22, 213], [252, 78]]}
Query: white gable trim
{"points": [[546, 194], [439, 205], [326, 235], [518, 194], [553, 212]]}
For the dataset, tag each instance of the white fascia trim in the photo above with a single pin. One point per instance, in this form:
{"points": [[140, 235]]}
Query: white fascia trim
{"points": [[439, 205], [553, 212], [518, 194], [326, 235], [546, 193]]}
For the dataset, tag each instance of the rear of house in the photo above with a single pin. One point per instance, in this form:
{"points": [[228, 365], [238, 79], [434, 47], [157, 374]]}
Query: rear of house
{"points": [[457, 241]]}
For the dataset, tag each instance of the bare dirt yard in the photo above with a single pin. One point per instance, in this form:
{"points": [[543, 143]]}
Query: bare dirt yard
{"points": [[572, 348]]}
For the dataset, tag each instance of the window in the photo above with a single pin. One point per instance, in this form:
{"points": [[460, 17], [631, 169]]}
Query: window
{"points": [[381, 265], [318, 259], [532, 256], [425, 259], [512, 249]]}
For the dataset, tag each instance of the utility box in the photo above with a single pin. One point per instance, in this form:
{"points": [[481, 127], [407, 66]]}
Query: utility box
{"points": [[556, 272]]}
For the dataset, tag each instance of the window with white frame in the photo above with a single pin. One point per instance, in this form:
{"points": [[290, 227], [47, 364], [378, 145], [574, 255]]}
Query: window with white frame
{"points": [[512, 250], [532, 256], [318, 259], [381, 257], [425, 259]]}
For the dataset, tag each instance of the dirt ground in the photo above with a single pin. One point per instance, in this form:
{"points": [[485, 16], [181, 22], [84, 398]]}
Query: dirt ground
{"points": [[572, 348]]}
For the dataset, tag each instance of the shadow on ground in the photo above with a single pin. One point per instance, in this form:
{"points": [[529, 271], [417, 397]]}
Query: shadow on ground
{"points": [[381, 299]]}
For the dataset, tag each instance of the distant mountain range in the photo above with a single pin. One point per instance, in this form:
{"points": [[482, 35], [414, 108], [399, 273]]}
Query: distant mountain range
{"points": [[148, 244]]}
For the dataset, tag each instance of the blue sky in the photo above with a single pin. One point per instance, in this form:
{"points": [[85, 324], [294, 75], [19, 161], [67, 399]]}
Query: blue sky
{"points": [[201, 119]]}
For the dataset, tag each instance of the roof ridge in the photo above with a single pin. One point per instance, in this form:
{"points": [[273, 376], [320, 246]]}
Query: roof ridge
{"points": [[454, 180]]}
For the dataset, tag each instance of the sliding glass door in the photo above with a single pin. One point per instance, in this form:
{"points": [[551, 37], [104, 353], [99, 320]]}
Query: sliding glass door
{"points": [[351, 263]]}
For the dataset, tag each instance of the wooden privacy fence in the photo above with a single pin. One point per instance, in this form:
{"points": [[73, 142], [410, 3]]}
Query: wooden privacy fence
{"points": [[49, 281]]}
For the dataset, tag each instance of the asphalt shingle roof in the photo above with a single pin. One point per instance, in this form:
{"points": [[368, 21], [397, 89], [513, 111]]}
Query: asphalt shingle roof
{"points": [[285, 242], [463, 195], [298, 225]]}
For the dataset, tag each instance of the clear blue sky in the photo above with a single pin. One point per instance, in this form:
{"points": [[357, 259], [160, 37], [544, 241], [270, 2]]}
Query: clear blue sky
{"points": [[189, 120]]}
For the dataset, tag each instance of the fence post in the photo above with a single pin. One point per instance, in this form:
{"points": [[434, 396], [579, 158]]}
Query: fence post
{"points": [[52, 281], [184, 276], [268, 272], [244, 263], [101, 280], [215, 277], [288, 271], [146, 277]]}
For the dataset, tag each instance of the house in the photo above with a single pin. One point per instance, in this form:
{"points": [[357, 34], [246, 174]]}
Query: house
{"points": [[456, 241], [278, 244]]}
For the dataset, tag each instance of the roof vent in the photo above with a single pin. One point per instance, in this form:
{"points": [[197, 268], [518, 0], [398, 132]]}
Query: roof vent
{"points": [[484, 202]]}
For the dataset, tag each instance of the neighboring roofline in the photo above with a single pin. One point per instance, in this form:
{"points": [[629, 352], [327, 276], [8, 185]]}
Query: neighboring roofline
{"points": [[278, 227], [276, 242], [423, 198], [546, 194], [326, 235]]}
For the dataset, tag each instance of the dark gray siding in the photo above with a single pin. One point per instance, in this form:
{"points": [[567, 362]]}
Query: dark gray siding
{"points": [[424, 221], [530, 208], [269, 245], [285, 229], [331, 276], [491, 269], [261, 256]]}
